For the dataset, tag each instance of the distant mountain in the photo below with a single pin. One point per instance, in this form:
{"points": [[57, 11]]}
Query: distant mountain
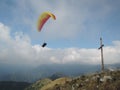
{"points": [[112, 66], [11, 85], [32, 74], [57, 75]]}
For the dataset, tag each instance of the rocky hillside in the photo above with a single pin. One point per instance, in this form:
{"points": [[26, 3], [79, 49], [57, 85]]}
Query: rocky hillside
{"points": [[108, 80], [39, 84]]}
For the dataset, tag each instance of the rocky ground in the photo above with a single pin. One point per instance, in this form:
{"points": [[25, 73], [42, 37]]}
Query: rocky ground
{"points": [[108, 80]]}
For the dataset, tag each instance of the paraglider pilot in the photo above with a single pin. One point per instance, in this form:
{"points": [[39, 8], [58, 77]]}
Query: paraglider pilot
{"points": [[44, 44]]}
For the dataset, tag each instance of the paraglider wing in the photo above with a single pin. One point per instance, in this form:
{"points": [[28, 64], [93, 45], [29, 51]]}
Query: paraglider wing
{"points": [[43, 18]]}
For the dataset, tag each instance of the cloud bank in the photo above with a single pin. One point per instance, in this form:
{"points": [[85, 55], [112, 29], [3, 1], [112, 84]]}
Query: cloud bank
{"points": [[16, 49]]}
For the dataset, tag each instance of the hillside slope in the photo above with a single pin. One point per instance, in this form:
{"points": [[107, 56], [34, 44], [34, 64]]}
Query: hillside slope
{"points": [[108, 80], [39, 84]]}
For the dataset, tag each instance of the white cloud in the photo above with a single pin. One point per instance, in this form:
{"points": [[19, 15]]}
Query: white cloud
{"points": [[18, 50], [4, 32], [112, 53]]}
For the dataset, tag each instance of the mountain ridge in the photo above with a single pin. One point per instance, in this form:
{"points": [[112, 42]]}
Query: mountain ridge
{"points": [[107, 80]]}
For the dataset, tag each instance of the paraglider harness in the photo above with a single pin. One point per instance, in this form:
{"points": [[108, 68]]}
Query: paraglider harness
{"points": [[44, 44]]}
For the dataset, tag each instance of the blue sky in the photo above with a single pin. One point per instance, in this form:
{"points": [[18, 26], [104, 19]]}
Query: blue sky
{"points": [[78, 26], [79, 23]]}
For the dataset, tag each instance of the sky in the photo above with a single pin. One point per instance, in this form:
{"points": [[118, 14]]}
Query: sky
{"points": [[74, 37]]}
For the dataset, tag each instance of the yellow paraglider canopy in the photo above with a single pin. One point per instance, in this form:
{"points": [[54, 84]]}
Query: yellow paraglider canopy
{"points": [[43, 18]]}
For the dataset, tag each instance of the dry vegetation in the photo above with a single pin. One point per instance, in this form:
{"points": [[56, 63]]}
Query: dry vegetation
{"points": [[57, 82], [108, 80], [39, 84]]}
